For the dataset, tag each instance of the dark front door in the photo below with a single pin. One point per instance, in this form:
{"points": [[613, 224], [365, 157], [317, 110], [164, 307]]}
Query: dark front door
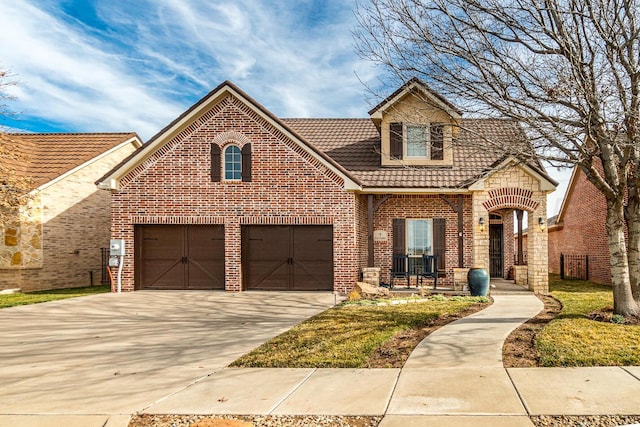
{"points": [[496, 250], [287, 258], [180, 257]]}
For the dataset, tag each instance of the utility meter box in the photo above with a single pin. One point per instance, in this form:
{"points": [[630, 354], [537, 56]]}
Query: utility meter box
{"points": [[116, 247]]}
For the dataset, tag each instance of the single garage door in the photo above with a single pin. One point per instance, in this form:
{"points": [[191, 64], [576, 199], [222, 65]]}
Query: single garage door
{"points": [[287, 257], [180, 257]]}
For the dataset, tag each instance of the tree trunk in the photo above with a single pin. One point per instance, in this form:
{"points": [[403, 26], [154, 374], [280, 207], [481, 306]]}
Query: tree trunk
{"points": [[623, 301], [632, 216]]}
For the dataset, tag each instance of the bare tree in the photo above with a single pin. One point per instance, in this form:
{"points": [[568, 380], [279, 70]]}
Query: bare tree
{"points": [[568, 70], [14, 185]]}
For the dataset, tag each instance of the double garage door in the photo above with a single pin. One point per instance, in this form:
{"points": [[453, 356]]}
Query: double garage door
{"points": [[284, 258]]}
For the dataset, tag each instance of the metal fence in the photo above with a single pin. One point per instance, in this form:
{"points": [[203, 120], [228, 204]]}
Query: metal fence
{"points": [[104, 275], [574, 267]]}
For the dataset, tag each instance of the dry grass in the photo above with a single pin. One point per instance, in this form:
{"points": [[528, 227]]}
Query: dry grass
{"points": [[347, 335], [572, 339], [11, 300]]}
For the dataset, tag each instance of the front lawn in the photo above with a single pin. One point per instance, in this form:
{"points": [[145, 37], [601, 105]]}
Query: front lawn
{"points": [[350, 335], [20, 298], [573, 339]]}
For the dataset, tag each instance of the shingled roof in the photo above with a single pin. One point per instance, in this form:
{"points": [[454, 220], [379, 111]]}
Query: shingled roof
{"points": [[45, 156], [355, 144]]}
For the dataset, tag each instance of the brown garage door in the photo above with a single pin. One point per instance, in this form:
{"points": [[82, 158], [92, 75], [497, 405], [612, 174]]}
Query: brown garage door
{"points": [[180, 257], [287, 258]]}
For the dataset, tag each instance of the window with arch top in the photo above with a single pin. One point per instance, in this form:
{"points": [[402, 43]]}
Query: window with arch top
{"points": [[233, 165]]}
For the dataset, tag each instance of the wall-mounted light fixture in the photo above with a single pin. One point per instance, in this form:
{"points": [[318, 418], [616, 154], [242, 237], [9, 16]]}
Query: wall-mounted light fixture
{"points": [[481, 223], [541, 223]]}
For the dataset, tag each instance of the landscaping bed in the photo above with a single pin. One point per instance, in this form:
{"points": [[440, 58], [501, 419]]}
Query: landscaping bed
{"points": [[361, 334], [576, 328]]}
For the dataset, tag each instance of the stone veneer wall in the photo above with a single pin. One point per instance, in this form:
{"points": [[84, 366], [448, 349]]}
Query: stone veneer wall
{"points": [[70, 229], [537, 253]]}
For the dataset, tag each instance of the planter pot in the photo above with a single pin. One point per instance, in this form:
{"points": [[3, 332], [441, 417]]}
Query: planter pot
{"points": [[478, 280]]}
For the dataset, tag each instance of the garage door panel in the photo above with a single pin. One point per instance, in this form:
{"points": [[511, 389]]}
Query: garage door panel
{"points": [[313, 275], [270, 275], [205, 257], [180, 257], [162, 274], [287, 257]]}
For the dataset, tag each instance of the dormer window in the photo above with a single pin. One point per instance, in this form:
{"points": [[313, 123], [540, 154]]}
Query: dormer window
{"points": [[413, 141]]}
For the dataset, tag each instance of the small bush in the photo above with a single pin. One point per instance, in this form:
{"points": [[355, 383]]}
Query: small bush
{"points": [[616, 318], [354, 296]]}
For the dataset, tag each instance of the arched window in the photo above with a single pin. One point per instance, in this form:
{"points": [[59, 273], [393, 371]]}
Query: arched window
{"points": [[232, 163]]}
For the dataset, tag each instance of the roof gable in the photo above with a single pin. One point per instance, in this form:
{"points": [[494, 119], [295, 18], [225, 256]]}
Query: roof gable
{"points": [[47, 157], [546, 182], [415, 86], [191, 117]]}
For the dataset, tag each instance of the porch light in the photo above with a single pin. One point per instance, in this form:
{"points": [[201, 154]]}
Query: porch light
{"points": [[481, 222], [541, 223]]}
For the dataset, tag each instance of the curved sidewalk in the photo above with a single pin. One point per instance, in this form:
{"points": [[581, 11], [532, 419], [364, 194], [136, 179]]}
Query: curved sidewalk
{"points": [[455, 377]]}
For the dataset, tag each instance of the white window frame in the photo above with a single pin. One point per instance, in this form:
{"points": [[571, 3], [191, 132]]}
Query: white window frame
{"points": [[427, 149], [224, 162], [427, 250]]}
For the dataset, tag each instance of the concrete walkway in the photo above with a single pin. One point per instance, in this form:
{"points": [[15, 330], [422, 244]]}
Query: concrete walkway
{"points": [[453, 378]]}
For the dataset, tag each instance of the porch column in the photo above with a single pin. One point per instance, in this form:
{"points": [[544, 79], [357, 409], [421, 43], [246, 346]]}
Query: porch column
{"points": [[519, 215], [480, 233], [537, 248], [370, 211]]}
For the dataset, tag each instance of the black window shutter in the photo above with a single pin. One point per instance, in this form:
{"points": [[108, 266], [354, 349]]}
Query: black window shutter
{"points": [[439, 241], [215, 163], [246, 163], [395, 140], [399, 236], [437, 142]]}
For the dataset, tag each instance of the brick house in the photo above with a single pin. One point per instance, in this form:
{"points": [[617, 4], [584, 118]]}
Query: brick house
{"points": [[580, 229], [56, 241], [229, 196]]}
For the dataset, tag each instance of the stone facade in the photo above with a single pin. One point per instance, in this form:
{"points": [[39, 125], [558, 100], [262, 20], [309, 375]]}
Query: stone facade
{"points": [[513, 187], [58, 241]]}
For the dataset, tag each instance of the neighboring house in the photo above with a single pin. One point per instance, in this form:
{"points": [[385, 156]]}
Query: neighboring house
{"points": [[56, 241], [580, 230], [229, 196]]}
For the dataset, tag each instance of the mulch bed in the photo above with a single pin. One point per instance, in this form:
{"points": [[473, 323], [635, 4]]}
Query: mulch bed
{"points": [[396, 351], [606, 314], [519, 349]]}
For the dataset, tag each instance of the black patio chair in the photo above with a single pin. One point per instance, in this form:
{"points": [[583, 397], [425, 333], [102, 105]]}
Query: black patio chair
{"points": [[400, 269], [429, 269]]}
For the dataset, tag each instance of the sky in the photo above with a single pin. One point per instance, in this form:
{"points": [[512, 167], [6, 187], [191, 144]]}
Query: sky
{"points": [[123, 65]]}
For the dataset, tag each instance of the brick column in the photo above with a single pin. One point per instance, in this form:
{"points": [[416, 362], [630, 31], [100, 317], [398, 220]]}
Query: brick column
{"points": [[232, 250], [537, 248], [480, 237]]}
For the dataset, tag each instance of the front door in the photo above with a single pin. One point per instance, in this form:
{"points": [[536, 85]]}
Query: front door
{"points": [[496, 265]]}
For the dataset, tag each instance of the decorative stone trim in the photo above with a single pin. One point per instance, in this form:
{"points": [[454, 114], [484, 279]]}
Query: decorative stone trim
{"points": [[511, 198], [520, 275]]}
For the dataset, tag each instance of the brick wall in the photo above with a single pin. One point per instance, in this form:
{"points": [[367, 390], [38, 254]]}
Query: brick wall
{"points": [[288, 186], [583, 231], [75, 225], [423, 206]]}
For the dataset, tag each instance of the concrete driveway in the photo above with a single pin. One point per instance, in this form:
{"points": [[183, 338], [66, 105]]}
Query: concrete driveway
{"points": [[121, 353]]}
